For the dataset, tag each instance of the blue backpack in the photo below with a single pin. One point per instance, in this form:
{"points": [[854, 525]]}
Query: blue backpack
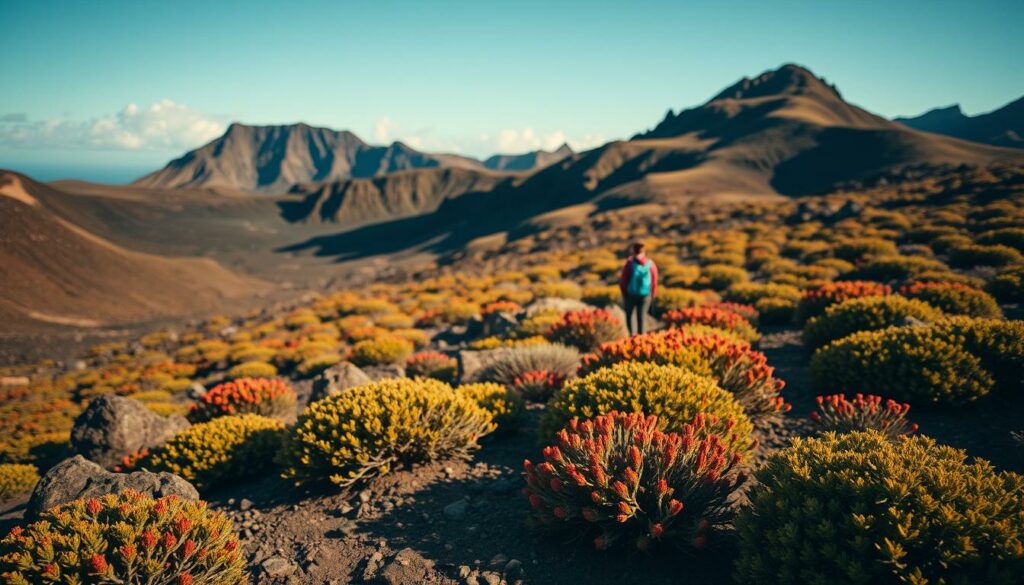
{"points": [[640, 279]]}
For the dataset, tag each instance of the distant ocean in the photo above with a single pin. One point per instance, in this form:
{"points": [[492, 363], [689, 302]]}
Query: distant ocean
{"points": [[111, 175]]}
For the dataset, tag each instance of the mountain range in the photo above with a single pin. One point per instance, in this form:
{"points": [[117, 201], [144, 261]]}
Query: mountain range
{"points": [[1001, 127]]}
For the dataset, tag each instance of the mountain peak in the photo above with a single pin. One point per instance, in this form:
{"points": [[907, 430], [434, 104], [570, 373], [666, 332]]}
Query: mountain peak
{"points": [[790, 79]]}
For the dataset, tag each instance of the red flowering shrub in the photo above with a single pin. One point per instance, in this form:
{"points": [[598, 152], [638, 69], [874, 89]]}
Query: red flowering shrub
{"points": [[718, 318], [264, 396], [431, 364], [814, 301], [587, 329], [620, 480], [501, 307], [748, 312], [836, 413], [734, 365], [125, 538], [538, 385]]}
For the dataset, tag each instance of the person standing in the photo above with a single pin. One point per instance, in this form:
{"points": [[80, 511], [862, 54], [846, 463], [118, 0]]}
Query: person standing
{"points": [[639, 285]]}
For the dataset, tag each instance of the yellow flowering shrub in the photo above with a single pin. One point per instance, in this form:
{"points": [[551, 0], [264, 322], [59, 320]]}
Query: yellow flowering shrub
{"points": [[858, 508], [253, 370], [386, 349], [17, 478], [368, 430], [506, 407], [865, 314], [219, 451]]}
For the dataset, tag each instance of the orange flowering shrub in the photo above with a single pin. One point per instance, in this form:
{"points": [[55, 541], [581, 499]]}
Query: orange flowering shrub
{"points": [[620, 481], [431, 364], [814, 301], [733, 364], [748, 312], [587, 329], [125, 538], [718, 318], [271, 397], [836, 413], [501, 307]]}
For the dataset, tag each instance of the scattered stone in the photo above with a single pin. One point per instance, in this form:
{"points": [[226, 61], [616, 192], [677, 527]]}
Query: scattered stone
{"points": [[278, 567], [377, 373], [408, 567], [113, 427], [456, 510], [245, 504], [77, 478], [337, 379], [196, 391]]}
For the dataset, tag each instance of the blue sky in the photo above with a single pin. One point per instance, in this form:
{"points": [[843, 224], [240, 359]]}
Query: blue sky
{"points": [[107, 90]]}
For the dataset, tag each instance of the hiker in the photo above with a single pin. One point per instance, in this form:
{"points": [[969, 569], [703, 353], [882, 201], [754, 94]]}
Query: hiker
{"points": [[639, 284]]}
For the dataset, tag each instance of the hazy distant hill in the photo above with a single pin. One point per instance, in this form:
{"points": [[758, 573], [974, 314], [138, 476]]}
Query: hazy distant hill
{"points": [[1002, 127], [529, 161], [273, 159]]}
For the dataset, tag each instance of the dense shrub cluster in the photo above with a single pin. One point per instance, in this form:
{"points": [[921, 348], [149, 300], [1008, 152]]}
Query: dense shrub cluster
{"points": [[505, 405], [126, 538], [16, 478], [368, 430], [954, 298], [381, 350], [270, 397], [537, 385], [223, 450], [674, 395], [865, 314], [717, 318], [432, 364], [859, 508], [620, 481], [815, 300], [552, 359]]}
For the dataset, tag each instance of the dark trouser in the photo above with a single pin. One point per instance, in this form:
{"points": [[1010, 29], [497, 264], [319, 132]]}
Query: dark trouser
{"points": [[641, 306]]}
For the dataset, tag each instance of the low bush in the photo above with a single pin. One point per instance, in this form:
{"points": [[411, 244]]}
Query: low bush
{"points": [[859, 508], [748, 312], [432, 364], [675, 395], [505, 405], [718, 318], [253, 370], [619, 481], [863, 413], [16, 479], [730, 362], [775, 310], [1008, 285], [815, 300], [994, 255], [221, 451], [368, 430], [315, 365], [601, 296], [865, 314], [380, 351], [721, 276], [751, 292], [587, 329], [898, 268], [125, 538], [911, 364], [670, 299], [271, 397], [1012, 237], [537, 385], [998, 344], [954, 298], [856, 249], [552, 358]]}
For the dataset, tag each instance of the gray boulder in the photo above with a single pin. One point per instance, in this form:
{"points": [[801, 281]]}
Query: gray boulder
{"points": [[378, 373], [499, 323], [77, 478], [555, 304], [112, 427], [337, 379]]}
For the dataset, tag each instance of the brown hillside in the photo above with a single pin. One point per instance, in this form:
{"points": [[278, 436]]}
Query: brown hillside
{"points": [[57, 272]]}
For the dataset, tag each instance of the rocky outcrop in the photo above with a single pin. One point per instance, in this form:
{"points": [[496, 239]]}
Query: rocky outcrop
{"points": [[337, 379], [77, 478], [112, 427]]}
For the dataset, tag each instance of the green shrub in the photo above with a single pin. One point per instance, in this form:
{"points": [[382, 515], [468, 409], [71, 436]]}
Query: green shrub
{"points": [[995, 255], [672, 299], [315, 365], [899, 268], [858, 509], [814, 301], [220, 451], [775, 310], [619, 480], [998, 344], [865, 314], [675, 395], [910, 364], [859, 248], [368, 430], [1008, 285], [125, 538], [750, 292], [16, 479], [506, 406], [383, 350], [1012, 237], [954, 298], [721, 276]]}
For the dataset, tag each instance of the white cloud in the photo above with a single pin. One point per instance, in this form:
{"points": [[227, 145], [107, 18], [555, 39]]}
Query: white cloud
{"points": [[159, 126], [382, 129]]}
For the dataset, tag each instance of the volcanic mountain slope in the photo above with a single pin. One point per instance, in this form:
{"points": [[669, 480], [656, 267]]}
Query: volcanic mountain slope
{"points": [[783, 133], [529, 161], [1002, 127], [399, 194], [57, 272], [273, 159]]}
